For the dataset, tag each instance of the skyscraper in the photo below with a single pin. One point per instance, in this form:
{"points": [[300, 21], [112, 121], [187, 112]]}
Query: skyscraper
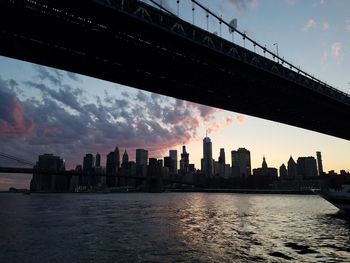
{"points": [[184, 162], [208, 167], [222, 163], [98, 160], [141, 157], [125, 160], [88, 163], [222, 156], [167, 162], [173, 156], [112, 166], [241, 166], [283, 171], [141, 162], [49, 182], [307, 166], [117, 156], [292, 169], [319, 163]]}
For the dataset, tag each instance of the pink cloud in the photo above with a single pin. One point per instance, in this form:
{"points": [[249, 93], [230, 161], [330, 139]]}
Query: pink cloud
{"points": [[229, 120], [241, 118], [322, 2], [216, 126], [336, 50], [205, 112], [16, 125], [310, 24]]}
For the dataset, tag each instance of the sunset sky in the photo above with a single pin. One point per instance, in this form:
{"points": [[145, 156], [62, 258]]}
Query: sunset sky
{"points": [[45, 110]]}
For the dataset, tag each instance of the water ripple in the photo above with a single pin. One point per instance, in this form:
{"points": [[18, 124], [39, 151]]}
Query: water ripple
{"points": [[171, 227]]}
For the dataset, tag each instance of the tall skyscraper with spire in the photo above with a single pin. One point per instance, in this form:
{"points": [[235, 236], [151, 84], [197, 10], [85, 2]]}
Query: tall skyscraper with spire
{"points": [[125, 160], [184, 162], [208, 167]]}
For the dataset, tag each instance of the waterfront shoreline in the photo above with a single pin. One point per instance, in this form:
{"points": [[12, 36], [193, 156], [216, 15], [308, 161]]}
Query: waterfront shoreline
{"points": [[189, 190], [247, 191]]}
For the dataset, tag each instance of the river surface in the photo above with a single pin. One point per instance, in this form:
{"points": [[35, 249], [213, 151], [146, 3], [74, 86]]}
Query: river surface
{"points": [[171, 227]]}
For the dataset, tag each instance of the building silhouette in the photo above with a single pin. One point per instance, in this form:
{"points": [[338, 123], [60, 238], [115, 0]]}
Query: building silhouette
{"points": [[221, 169], [283, 172], [88, 163], [268, 172], [112, 167], [46, 182], [141, 162], [141, 157], [98, 160], [292, 169], [307, 167], [124, 170], [98, 179], [241, 165], [173, 156], [125, 160], [184, 162], [222, 156], [263, 177], [319, 163], [208, 166]]}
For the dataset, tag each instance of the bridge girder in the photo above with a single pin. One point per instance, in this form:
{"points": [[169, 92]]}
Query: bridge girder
{"points": [[108, 44]]}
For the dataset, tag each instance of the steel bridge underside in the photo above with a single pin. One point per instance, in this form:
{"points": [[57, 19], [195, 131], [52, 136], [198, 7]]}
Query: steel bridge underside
{"points": [[120, 48]]}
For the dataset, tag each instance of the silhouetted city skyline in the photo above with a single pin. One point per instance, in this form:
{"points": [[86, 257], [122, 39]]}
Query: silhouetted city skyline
{"points": [[123, 172]]}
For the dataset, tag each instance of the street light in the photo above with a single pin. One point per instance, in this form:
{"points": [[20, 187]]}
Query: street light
{"points": [[276, 44]]}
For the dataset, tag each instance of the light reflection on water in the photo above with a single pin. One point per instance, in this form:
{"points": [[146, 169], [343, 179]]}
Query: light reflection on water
{"points": [[171, 227]]}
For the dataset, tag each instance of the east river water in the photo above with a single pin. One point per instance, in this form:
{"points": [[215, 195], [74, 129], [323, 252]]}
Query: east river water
{"points": [[171, 227]]}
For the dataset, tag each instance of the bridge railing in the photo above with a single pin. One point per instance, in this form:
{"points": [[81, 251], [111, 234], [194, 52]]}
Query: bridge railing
{"points": [[161, 17]]}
